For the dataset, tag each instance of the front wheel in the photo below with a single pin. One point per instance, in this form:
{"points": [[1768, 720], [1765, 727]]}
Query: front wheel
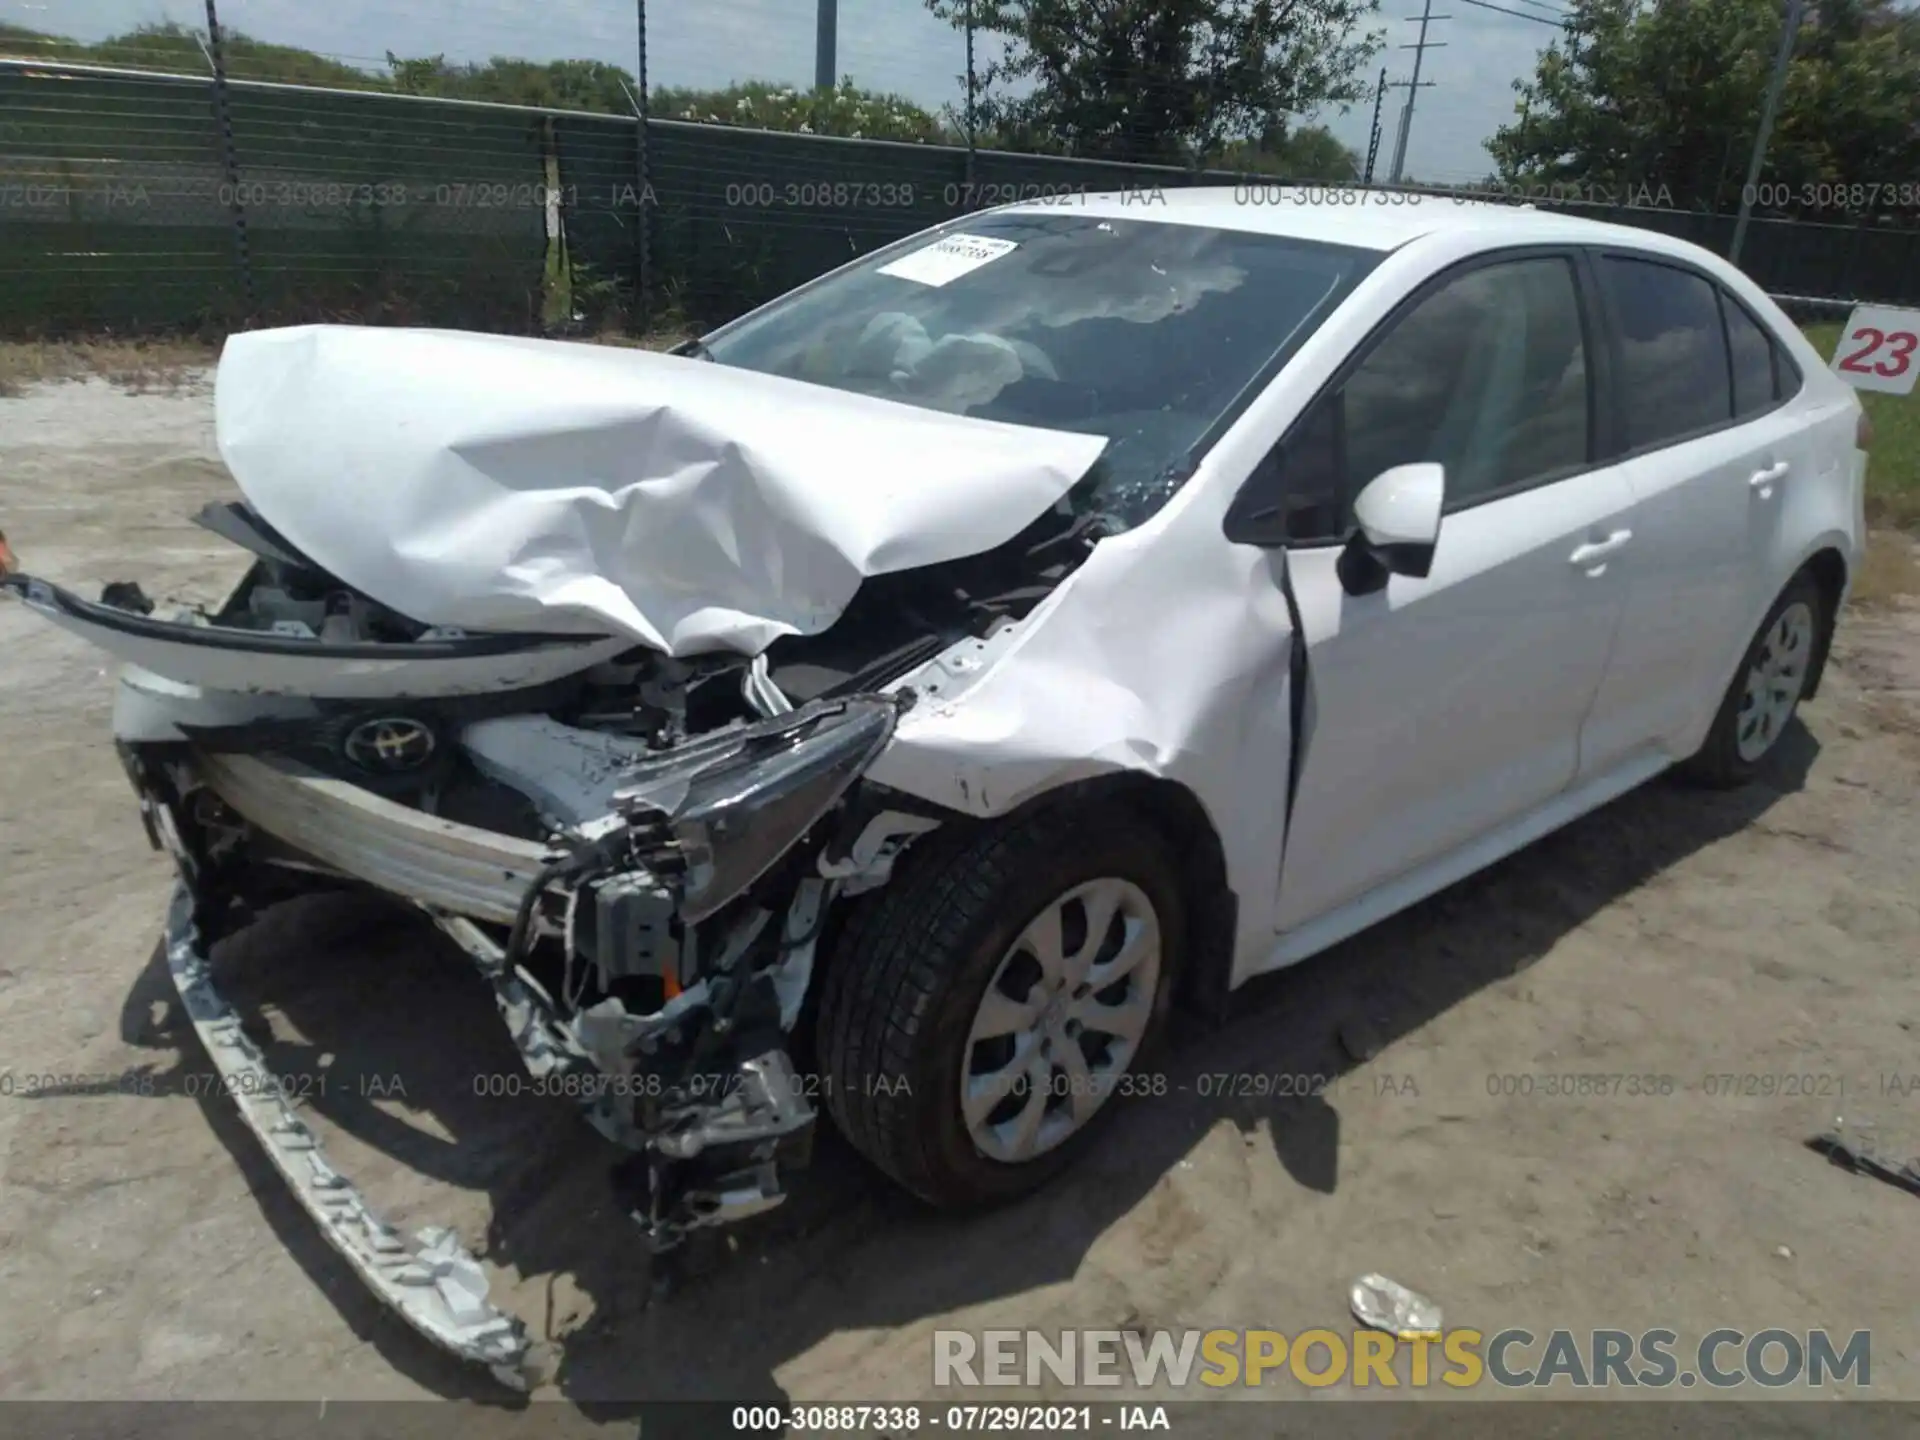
{"points": [[990, 1004], [1766, 691]]}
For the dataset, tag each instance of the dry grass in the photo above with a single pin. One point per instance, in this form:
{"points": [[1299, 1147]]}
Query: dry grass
{"points": [[663, 337], [1889, 570], [137, 366]]}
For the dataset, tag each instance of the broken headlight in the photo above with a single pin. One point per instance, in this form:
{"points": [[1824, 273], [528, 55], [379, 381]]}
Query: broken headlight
{"points": [[736, 801]]}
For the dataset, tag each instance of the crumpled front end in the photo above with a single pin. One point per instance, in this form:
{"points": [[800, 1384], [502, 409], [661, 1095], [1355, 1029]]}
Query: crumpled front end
{"points": [[649, 958], [637, 826]]}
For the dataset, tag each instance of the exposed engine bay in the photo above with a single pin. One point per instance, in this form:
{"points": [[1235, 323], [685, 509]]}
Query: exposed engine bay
{"points": [[641, 858]]}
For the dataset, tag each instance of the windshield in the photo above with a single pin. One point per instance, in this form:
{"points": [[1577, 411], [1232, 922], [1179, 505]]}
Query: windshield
{"points": [[1149, 333]]}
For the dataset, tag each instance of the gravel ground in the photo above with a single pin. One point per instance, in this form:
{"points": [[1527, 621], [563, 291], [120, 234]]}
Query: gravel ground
{"points": [[146, 1250]]}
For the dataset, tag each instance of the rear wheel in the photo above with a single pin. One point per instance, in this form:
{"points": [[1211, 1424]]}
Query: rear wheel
{"points": [[1766, 690], [993, 1000]]}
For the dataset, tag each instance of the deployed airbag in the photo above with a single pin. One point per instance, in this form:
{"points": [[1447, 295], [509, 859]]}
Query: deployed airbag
{"points": [[507, 484]]}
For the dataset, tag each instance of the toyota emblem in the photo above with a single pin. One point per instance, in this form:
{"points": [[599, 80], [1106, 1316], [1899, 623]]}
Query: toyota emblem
{"points": [[390, 746]]}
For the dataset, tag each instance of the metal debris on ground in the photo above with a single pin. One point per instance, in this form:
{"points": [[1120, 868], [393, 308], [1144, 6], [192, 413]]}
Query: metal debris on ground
{"points": [[1857, 1154], [1383, 1304]]}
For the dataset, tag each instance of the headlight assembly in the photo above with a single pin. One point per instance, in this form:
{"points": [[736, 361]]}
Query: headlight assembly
{"points": [[737, 801]]}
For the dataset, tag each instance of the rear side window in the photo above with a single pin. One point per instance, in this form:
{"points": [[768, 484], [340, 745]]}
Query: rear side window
{"points": [[1756, 383], [1675, 373]]}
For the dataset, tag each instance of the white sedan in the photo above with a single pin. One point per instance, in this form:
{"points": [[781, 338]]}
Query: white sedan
{"points": [[904, 695]]}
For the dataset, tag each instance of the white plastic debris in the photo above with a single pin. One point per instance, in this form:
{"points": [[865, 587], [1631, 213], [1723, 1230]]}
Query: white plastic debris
{"points": [[1383, 1304]]}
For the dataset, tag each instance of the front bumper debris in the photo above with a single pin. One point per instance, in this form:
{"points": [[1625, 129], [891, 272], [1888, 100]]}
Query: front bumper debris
{"points": [[708, 1149], [694, 1082], [701, 1095], [429, 1279]]}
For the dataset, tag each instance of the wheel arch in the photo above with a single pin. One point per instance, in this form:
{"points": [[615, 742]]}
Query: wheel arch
{"points": [[1174, 812], [1212, 919], [1828, 569]]}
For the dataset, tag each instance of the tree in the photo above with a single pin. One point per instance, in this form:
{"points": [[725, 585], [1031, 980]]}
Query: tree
{"points": [[1160, 80], [176, 48], [843, 110], [608, 89], [1642, 97], [549, 85], [1306, 152]]}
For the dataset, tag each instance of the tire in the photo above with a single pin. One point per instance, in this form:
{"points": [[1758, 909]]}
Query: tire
{"points": [[1778, 662], [901, 997]]}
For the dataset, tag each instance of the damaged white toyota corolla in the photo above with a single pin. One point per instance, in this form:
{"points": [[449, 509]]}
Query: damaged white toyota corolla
{"points": [[904, 694]]}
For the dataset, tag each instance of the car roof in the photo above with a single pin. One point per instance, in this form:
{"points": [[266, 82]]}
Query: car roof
{"points": [[1347, 215]]}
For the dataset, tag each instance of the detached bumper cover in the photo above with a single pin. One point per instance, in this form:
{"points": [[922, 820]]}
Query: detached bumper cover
{"points": [[263, 662], [428, 1279]]}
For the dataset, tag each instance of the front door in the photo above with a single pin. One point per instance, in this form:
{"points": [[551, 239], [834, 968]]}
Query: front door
{"points": [[1441, 708]]}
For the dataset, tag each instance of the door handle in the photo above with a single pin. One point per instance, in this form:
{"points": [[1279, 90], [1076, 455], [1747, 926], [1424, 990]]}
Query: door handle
{"points": [[1595, 551], [1763, 479]]}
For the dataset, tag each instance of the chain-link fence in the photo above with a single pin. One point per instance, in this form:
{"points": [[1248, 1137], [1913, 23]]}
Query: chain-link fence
{"points": [[134, 197]]}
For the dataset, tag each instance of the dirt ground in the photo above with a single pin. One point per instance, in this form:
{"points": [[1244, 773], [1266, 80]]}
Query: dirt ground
{"points": [[147, 1250]]}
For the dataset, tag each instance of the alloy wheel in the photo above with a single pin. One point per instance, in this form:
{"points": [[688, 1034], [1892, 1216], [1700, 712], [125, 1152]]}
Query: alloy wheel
{"points": [[1774, 682], [1061, 1020]]}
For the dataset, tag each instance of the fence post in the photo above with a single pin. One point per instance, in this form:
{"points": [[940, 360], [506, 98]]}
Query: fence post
{"points": [[970, 93], [643, 234], [223, 118]]}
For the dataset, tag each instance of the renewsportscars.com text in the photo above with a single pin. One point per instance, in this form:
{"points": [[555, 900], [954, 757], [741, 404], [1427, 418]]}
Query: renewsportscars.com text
{"points": [[1459, 1359]]}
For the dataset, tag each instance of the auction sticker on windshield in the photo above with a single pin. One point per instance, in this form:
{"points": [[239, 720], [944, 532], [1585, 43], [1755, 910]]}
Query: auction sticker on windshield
{"points": [[948, 259]]}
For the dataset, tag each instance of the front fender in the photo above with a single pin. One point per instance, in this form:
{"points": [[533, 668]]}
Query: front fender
{"points": [[1107, 677]]}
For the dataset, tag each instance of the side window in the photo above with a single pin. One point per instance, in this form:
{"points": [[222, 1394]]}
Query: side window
{"points": [[1675, 377], [1307, 471], [1755, 382], [1787, 378], [1487, 376]]}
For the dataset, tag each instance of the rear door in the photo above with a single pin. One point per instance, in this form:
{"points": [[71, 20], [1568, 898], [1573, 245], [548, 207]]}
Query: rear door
{"points": [[1710, 450], [1441, 708], [1771, 405]]}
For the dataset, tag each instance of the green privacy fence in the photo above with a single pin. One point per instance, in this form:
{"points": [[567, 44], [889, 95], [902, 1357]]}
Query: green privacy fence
{"points": [[118, 213], [116, 210]]}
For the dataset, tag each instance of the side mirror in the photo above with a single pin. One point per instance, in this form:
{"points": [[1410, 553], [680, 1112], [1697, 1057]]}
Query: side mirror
{"points": [[1397, 520]]}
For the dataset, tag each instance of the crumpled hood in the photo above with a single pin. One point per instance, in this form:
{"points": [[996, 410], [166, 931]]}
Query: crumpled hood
{"points": [[499, 483]]}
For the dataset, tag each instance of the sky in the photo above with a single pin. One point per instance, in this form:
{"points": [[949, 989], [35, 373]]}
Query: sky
{"points": [[891, 45]]}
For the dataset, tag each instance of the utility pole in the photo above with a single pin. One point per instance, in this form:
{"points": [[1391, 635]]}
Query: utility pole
{"points": [[1788, 34], [1373, 138], [824, 36], [1426, 17]]}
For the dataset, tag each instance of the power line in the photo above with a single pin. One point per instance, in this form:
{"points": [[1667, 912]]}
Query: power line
{"points": [[1517, 14]]}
